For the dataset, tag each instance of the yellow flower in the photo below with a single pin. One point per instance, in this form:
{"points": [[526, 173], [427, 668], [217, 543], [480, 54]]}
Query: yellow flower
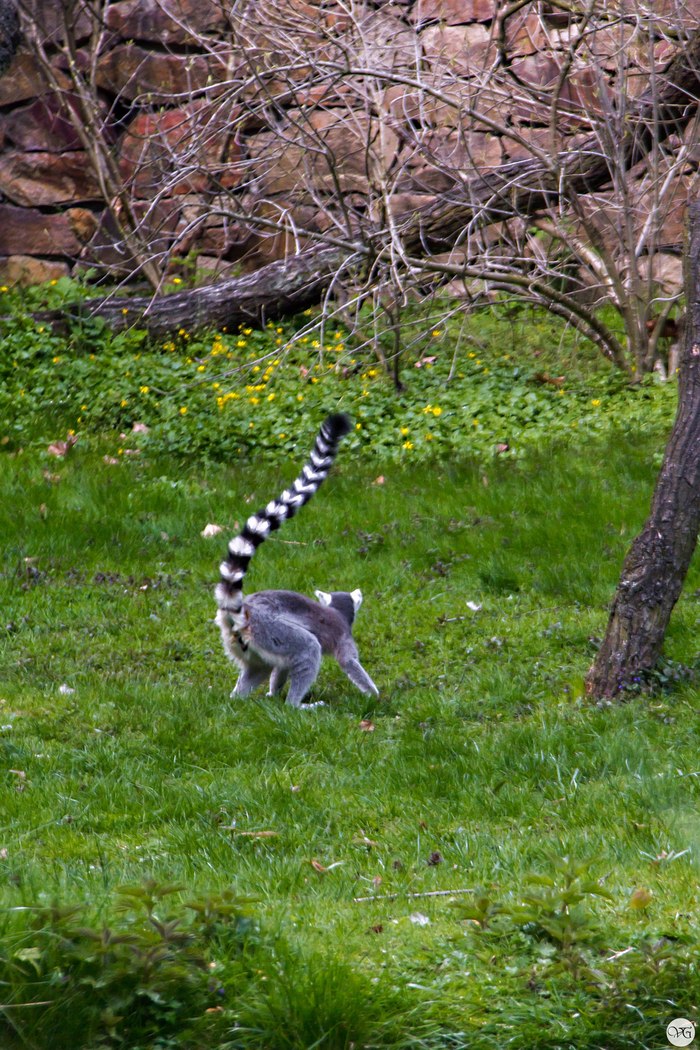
{"points": [[254, 400], [216, 386], [144, 389], [475, 422], [270, 397], [183, 410], [247, 331], [470, 354], [427, 410], [408, 445], [177, 280], [428, 437], [125, 310], [56, 359], [372, 373], [436, 332], [404, 431], [256, 368], [124, 403], [300, 397], [83, 408], [595, 402], [358, 426], [241, 342], [201, 368], [437, 411], [4, 288], [53, 282]]}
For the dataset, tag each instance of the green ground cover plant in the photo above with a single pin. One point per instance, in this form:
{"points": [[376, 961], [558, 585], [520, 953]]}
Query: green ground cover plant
{"points": [[480, 858]]}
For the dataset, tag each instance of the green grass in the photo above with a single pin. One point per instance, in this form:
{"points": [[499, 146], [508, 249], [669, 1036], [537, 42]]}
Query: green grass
{"points": [[484, 758]]}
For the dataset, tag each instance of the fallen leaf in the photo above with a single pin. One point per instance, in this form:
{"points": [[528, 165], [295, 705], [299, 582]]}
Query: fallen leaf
{"points": [[474, 606], [60, 448], [376, 929], [435, 858], [140, 428], [65, 690], [53, 479], [43, 512], [503, 447], [377, 880], [110, 461], [4, 853], [211, 530], [132, 451], [366, 726], [379, 480], [317, 866]]}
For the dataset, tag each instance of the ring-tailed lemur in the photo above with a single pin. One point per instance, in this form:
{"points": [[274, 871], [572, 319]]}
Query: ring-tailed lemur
{"points": [[277, 635]]}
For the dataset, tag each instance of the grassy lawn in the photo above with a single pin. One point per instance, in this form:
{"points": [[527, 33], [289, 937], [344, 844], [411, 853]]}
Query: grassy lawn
{"points": [[481, 766], [481, 858]]}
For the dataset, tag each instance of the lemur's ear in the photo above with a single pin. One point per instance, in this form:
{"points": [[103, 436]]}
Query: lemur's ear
{"points": [[356, 598], [325, 599]]}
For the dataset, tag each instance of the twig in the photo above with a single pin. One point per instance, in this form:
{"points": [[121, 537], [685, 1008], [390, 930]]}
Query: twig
{"points": [[409, 896]]}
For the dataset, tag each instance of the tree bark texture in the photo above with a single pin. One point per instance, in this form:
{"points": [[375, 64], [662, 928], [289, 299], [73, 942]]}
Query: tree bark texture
{"points": [[657, 563], [520, 188]]}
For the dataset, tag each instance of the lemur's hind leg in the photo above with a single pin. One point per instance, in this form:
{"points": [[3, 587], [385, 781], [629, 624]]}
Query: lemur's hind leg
{"points": [[277, 679], [287, 647], [250, 679], [303, 667]]}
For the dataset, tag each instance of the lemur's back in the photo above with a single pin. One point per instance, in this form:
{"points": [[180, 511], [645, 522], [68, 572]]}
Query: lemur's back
{"points": [[323, 622]]}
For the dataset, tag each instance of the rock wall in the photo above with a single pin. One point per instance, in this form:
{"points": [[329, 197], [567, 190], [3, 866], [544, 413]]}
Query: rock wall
{"points": [[211, 115]]}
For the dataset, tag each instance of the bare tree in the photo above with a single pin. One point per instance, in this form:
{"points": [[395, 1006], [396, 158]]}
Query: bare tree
{"points": [[657, 563]]}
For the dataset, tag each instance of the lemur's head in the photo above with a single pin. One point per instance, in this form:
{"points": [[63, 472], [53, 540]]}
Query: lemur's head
{"points": [[346, 603]]}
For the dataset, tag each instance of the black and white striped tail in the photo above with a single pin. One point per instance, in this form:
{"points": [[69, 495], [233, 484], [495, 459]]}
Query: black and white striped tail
{"points": [[229, 592]]}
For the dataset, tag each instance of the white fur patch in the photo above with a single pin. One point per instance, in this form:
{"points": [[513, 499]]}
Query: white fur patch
{"points": [[259, 525], [320, 462], [323, 597], [356, 596], [226, 601], [232, 575], [242, 546]]}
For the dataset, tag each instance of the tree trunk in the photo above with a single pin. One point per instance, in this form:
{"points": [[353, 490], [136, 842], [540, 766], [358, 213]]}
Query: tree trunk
{"points": [[657, 563], [521, 188]]}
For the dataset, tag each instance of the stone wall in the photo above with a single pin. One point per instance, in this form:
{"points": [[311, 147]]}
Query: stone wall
{"points": [[208, 120]]}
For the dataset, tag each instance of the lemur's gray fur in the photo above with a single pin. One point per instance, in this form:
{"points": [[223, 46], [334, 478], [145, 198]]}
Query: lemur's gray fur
{"points": [[277, 635]]}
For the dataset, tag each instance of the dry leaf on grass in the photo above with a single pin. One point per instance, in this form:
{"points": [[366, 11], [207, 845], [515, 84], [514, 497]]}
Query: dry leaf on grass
{"points": [[211, 530], [366, 726], [140, 428]]}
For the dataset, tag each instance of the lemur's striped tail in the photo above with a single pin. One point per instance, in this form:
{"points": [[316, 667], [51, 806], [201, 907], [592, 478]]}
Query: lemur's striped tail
{"points": [[229, 592]]}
